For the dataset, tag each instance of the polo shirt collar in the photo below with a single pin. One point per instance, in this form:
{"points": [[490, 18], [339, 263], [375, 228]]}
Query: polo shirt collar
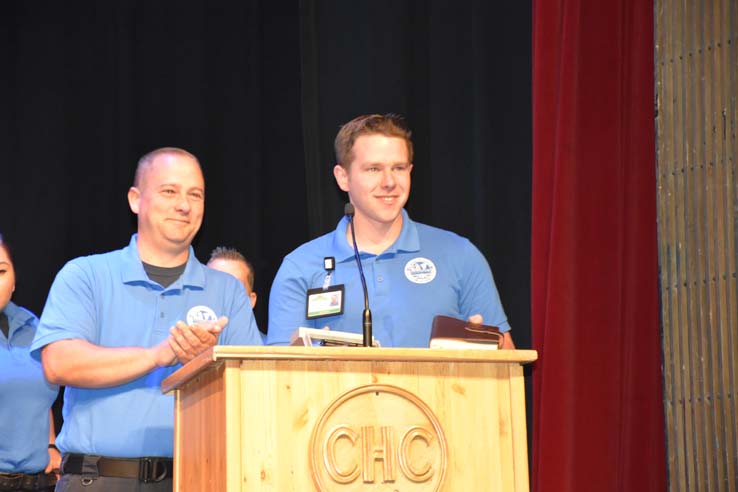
{"points": [[17, 318], [407, 241], [133, 270], [341, 249]]}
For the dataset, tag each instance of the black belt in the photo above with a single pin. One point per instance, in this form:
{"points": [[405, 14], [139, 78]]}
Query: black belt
{"points": [[25, 481], [150, 469]]}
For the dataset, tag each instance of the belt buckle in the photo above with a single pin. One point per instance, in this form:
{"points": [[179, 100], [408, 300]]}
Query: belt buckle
{"points": [[151, 470]]}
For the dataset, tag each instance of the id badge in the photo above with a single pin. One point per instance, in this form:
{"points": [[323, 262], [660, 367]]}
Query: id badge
{"points": [[324, 302]]}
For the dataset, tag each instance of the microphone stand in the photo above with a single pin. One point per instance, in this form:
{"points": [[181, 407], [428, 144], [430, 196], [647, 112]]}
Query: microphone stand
{"points": [[367, 314]]}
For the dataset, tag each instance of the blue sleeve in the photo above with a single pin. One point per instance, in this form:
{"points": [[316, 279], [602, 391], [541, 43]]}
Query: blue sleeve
{"points": [[70, 311], [241, 328], [286, 303], [479, 293]]}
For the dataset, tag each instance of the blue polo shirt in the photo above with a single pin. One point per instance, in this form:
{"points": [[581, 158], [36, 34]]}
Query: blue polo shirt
{"points": [[426, 272], [108, 300], [25, 398]]}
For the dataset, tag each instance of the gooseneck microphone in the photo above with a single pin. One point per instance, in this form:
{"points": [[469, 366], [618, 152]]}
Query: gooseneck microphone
{"points": [[348, 210]]}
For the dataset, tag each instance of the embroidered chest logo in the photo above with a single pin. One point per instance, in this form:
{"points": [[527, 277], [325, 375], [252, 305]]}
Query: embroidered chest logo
{"points": [[420, 270], [198, 314]]}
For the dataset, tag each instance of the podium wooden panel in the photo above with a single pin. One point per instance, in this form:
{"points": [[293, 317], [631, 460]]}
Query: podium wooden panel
{"points": [[307, 419]]}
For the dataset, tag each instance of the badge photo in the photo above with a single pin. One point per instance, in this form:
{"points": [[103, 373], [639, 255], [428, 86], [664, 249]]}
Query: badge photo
{"points": [[324, 302]]}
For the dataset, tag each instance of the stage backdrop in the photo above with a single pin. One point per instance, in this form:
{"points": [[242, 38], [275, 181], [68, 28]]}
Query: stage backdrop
{"points": [[257, 90], [598, 416]]}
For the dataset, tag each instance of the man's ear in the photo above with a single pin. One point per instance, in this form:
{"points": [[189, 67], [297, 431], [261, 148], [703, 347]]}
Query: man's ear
{"points": [[339, 172], [134, 197]]}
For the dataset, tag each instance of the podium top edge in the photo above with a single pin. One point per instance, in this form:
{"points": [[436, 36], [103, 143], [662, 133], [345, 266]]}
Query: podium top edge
{"points": [[261, 353], [221, 352]]}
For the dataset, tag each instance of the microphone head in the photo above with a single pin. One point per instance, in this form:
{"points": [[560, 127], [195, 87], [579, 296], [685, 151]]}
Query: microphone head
{"points": [[348, 209]]}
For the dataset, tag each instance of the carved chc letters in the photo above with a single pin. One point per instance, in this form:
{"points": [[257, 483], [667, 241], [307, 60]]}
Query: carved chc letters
{"points": [[378, 438]]}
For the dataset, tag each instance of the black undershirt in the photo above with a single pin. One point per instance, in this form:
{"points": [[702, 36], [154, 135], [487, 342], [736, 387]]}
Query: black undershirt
{"points": [[4, 324], [164, 276]]}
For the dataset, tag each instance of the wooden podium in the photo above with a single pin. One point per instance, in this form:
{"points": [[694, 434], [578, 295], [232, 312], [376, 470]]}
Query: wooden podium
{"points": [[329, 419]]}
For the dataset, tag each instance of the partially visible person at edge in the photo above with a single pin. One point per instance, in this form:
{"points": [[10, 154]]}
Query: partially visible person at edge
{"points": [[413, 271], [29, 459], [230, 260], [116, 324]]}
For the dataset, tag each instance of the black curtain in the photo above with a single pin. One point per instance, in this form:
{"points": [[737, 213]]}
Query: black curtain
{"points": [[257, 90]]}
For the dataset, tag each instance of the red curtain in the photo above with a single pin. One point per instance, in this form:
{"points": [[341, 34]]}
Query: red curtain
{"points": [[597, 397]]}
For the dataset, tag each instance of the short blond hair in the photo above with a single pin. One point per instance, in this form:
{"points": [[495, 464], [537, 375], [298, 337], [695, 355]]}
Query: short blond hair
{"points": [[145, 161]]}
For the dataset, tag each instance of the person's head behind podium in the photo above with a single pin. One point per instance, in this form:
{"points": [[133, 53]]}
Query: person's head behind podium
{"points": [[230, 260], [374, 155]]}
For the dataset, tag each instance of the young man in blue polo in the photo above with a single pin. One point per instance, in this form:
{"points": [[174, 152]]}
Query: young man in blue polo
{"points": [[413, 271], [116, 324]]}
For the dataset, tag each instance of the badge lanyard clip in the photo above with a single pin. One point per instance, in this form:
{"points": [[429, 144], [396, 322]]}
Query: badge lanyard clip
{"points": [[329, 263]]}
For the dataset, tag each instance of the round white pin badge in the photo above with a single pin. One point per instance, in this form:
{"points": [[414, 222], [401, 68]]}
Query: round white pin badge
{"points": [[420, 270], [199, 314]]}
